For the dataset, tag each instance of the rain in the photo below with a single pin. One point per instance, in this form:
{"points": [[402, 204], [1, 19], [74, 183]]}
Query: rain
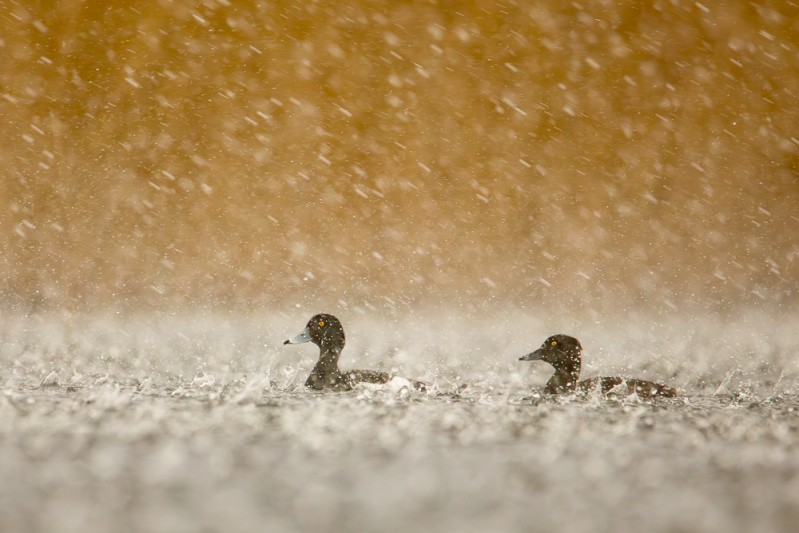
{"points": [[185, 184]]}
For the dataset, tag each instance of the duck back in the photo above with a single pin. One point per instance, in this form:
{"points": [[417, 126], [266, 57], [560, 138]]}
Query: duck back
{"points": [[626, 386]]}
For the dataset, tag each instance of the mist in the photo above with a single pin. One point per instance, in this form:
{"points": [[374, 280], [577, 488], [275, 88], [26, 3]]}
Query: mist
{"points": [[184, 184], [397, 154]]}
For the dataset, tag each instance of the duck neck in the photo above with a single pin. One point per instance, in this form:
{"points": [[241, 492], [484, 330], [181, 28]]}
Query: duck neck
{"points": [[565, 378], [328, 359], [325, 374]]}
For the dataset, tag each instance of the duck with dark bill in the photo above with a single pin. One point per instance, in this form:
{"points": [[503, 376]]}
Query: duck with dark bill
{"points": [[564, 353]]}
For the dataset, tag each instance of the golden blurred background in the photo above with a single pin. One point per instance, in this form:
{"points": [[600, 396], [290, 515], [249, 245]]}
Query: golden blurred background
{"points": [[390, 154]]}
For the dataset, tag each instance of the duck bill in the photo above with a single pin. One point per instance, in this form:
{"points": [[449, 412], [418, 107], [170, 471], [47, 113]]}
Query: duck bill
{"points": [[303, 336], [533, 356]]}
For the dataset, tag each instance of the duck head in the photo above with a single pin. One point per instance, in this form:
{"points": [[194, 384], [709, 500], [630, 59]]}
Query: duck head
{"points": [[323, 330], [560, 351]]}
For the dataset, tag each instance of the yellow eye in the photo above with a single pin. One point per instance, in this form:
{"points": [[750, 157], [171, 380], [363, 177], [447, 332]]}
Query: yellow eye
{"points": [[553, 343], [321, 323]]}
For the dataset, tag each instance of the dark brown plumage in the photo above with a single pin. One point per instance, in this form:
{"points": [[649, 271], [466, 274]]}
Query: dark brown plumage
{"points": [[326, 331], [564, 353]]}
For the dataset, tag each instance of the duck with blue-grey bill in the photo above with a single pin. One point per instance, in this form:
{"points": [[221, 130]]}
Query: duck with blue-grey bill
{"points": [[327, 333]]}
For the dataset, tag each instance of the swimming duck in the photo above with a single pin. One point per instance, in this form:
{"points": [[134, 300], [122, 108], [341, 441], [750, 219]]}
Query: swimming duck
{"points": [[563, 352], [326, 331]]}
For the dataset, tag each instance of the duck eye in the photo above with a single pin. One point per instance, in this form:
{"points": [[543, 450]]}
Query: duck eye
{"points": [[321, 323]]}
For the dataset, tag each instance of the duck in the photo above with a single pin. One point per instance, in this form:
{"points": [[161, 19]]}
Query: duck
{"points": [[326, 331], [564, 353]]}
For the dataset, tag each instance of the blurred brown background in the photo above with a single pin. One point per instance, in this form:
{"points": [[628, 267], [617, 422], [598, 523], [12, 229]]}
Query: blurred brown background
{"points": [[392, 154]]}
